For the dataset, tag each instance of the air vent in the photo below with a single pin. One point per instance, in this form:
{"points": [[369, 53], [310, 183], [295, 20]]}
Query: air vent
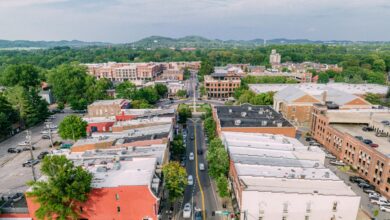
{"points": [[230, 111], [264, 123], [243, 114], [237, 122], [249, 108]]}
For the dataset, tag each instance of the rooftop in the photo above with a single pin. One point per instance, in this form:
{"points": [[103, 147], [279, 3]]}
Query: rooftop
{"points": [[109, 102], [274, 161], [248, 115], [301, 186], [356, 130], [142, 132], [285, 172], [313, 88], [148, 112], [137, 172]]}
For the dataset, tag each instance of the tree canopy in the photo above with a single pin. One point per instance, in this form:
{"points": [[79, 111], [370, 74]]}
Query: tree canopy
{"points": [[64, 189], [72, 127], [175, 177]]}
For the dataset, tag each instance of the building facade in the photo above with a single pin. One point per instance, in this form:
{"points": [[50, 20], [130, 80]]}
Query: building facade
{"points": [[106, 108], [223, 82], [342, 133], [274, 58]]}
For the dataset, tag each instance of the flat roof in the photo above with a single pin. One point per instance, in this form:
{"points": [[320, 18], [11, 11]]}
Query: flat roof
{"points": [[137, 172], [148, 112], [99, 119], [300, 186], [314, 88], [109, 102], [285, 172], [248, 115], [136, 132], [275, 161], [144, 122], [356, 130]]}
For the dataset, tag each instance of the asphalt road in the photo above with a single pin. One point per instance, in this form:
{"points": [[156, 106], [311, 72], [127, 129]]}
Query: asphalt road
{"points": [[202, 194], [13, 176]]}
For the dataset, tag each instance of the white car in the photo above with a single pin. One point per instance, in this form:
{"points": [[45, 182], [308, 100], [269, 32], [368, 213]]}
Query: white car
{"points": [[201, 166], [187, 211], [379, 201], [385, 208], [191, 157], [337, 163], [190, 180], [373, 195]]}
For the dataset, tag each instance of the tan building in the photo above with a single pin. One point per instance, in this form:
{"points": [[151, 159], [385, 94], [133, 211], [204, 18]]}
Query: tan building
{"points": [[274, 58], [251, 119], [105, 108], [148, 71], [223, 82], [296, 104], [343, 132], [172, 74]]}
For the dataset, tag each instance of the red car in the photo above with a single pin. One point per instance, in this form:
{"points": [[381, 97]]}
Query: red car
{"points": [[374, 145]]}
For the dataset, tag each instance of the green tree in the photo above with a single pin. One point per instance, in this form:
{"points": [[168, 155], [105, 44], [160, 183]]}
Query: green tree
{"points": [[125, 90], [30, 106], [379, 65], [181, 93], [73, 127], [175, 177], [177, 146], [184, 113], [69, 82], [323, 78], [162, 90], [206, 68], [374, 99], [186, 73], [148, 93], [222, 186], [66, 186], [210, 127], [140, 104], [8, 116], [24, 75], [97, 89], [218, 159]]}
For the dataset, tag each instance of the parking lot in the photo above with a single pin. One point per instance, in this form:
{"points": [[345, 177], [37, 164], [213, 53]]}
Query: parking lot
{"points": [[13, 176], [365, 203]]}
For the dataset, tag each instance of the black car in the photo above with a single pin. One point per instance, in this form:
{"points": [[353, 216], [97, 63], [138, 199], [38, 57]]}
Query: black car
{"points": [[42, 155], [309, 139], [356, 179], [360, 138], [28, 148], [14, 150], [200, 152], [367, 129], [198, 215], [367, 141], [385, 122], [366, 186]]}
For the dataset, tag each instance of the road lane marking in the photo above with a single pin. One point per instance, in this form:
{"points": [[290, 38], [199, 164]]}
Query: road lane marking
{"points": [[197, 174]]}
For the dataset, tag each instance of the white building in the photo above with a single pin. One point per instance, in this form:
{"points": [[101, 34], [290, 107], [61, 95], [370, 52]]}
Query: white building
{"points": [[274, 58], [277, 177]]}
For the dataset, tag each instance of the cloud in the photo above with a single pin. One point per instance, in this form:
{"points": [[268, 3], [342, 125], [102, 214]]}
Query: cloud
{"points": [[23, 3]]}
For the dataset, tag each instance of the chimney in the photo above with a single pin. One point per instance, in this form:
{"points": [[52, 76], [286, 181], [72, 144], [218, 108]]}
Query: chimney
{"points": [[324, 96]]}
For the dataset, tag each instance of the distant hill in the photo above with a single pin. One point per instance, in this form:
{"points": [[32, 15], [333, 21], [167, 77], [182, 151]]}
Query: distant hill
{"points": [[201, 42], [47, 44]]}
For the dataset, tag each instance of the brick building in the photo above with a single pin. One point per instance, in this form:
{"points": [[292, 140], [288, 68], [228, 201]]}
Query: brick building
{"points": [[296, 103], [252, 119], [342, 132], [172, 74], [106, 108], [223, 82], [126, 189]]}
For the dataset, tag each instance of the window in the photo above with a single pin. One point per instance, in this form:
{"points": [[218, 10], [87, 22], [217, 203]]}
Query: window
{"points": [[293, 109], [334, 206], [308, 207], [261, 218], [284, 218], [81, 209], [118, 209], [117, 196]]}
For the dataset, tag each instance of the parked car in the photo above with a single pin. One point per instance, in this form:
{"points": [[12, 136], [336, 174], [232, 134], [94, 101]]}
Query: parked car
{"points": [[45, 136], [330, 156], [27, 148], [366, 128], [187, 211], [308, 139], [13, 150], [368, 190], [24, 143], [366, 186], [191, 157], [337, 163], [374, 195], [190, 180], [192, 137], [367, 141], [385, 122], [360, 138], [379, 201], [380, 134], [356, 179], [30, 163], [384, 208], [374, 145], [201, 166], [42, 155]]}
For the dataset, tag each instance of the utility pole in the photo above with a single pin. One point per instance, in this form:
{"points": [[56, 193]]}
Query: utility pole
{"points": [[28, 140], [48, 126]]}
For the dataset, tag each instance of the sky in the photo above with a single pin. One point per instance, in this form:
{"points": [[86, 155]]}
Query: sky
{"points": [[122, 21]]}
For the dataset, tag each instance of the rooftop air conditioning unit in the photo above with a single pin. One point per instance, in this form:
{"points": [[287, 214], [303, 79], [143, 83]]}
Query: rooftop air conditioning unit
{"points": [[243, 114], [249, 108], [237, 122], [264, 123]]}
